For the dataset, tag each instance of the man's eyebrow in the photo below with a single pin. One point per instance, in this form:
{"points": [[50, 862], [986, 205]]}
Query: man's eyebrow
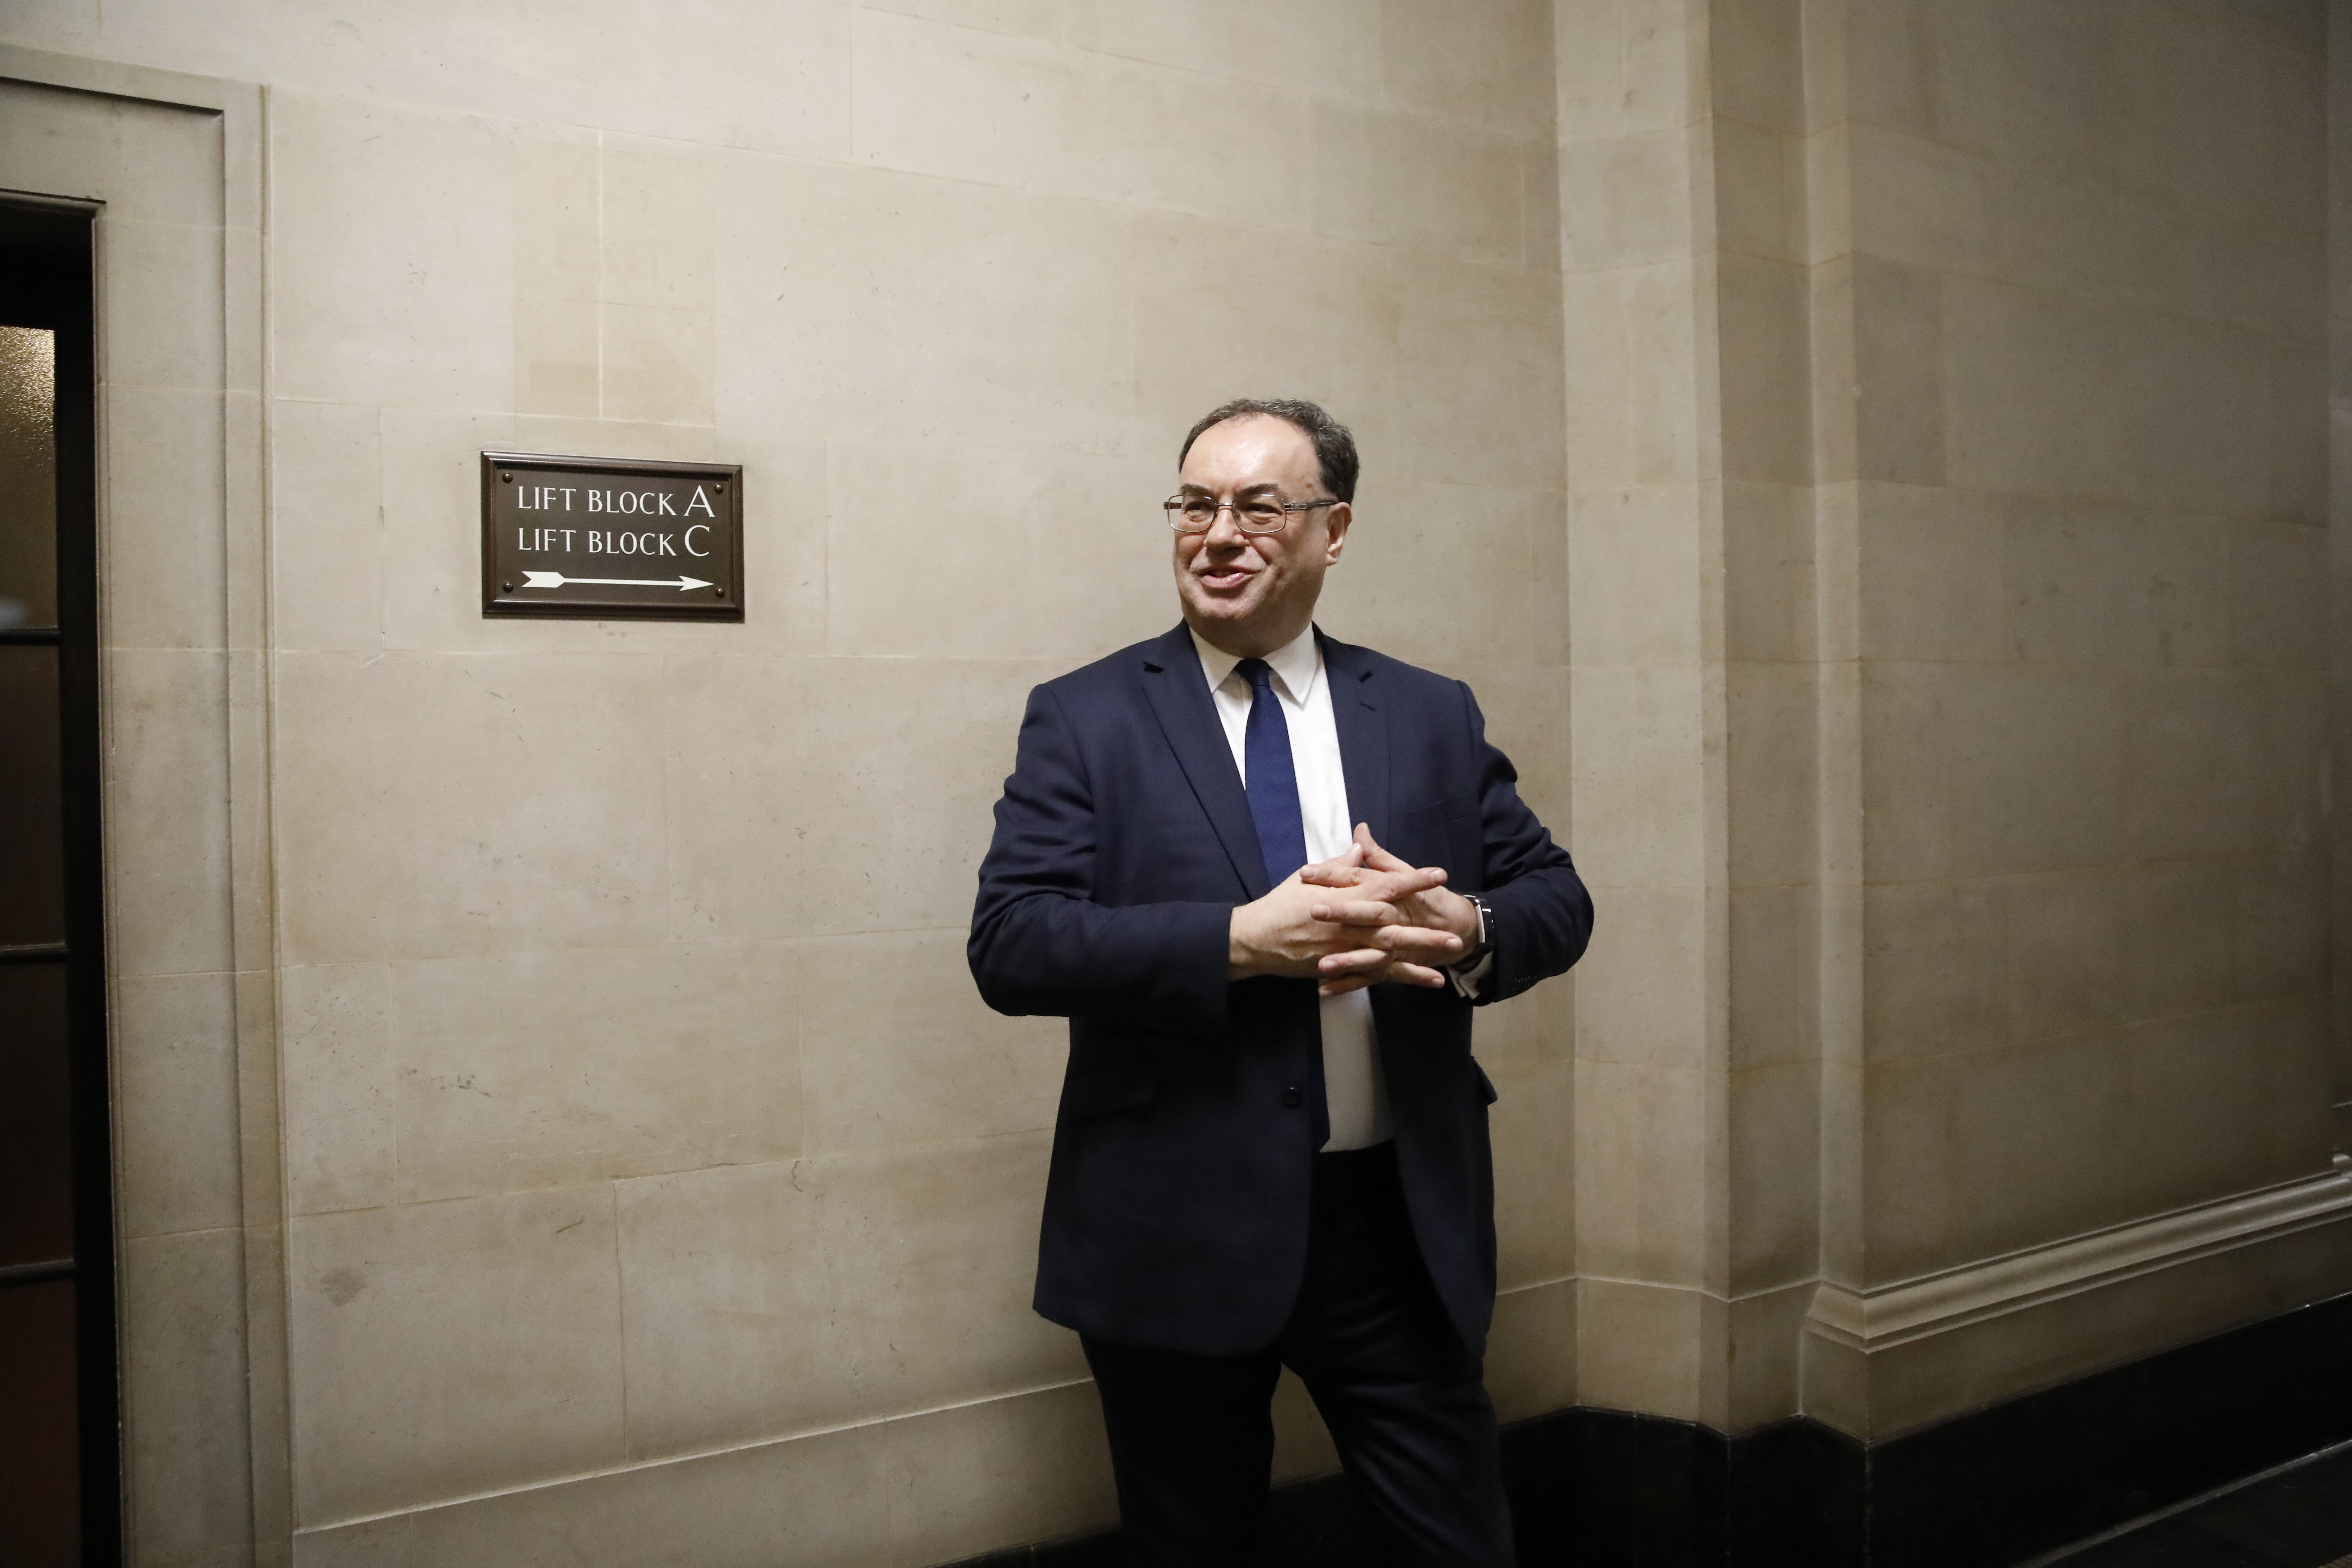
{"points": [[1262, 487]]}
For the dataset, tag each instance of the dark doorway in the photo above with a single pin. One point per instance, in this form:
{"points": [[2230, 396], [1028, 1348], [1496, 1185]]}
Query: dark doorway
{"points": [[60, 1445]]}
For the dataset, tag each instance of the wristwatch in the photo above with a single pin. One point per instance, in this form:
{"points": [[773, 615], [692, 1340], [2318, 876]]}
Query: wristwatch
{"points": [[1486, 942]]}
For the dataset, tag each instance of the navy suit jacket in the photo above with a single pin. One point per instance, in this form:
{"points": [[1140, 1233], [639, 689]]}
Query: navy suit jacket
{"points": [[1176, 1206]]}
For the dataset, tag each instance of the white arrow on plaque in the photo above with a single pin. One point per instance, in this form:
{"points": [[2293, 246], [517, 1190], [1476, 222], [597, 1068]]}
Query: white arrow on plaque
{"points": [[557, 580]]}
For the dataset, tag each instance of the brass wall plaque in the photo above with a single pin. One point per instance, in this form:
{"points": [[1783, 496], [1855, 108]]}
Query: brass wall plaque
{"points": [[611, 539]]}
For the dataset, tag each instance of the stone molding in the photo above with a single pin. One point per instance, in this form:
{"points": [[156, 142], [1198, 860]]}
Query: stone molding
{"points": [[1937, 1303], [234, 1498]]}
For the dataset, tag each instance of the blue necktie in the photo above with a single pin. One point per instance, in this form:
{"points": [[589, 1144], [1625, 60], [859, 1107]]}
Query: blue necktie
{"points": [[1273, 787]]}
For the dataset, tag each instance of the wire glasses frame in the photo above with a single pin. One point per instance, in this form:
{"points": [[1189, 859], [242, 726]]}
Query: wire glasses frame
{"points": [[1198, 514]]}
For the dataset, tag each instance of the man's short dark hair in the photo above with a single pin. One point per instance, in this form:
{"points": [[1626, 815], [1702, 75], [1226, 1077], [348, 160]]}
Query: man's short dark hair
{"points": [[1335, 448]]}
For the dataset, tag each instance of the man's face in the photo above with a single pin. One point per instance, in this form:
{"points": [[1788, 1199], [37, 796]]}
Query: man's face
{"points": [[1249, 594]]}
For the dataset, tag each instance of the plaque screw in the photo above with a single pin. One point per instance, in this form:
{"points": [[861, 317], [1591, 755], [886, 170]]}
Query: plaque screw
{"points": [[720, 488], [720, 592], [506, 587], [507, 478]]}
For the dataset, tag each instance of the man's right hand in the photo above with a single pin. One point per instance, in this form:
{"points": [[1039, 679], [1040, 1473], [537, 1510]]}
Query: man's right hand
{"points": [[1278, 934]]}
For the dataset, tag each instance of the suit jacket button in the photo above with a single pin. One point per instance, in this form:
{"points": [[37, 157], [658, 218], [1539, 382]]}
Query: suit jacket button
{"points": [[1292, 1098]]}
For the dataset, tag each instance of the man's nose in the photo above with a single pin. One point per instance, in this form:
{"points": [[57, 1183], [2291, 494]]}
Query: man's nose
{"points": [[1225, 528]]}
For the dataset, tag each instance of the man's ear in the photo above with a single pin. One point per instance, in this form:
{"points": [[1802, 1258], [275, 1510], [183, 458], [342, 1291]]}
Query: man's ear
{"points": [[1334, 525]]}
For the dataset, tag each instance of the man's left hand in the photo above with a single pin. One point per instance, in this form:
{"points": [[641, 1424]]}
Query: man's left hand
{"points": [[1380, 904]]}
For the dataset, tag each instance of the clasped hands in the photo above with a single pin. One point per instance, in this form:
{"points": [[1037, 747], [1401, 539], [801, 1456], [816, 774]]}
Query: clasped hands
{"points": [[1353, 921]]}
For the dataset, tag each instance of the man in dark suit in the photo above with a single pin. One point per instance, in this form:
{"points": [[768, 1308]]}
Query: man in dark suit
{"points": [[1272, 1143]]}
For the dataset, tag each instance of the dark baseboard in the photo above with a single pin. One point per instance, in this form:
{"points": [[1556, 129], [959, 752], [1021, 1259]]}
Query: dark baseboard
{"points": [[1990, 1488], [2009, 1482], [1313, 1523]]}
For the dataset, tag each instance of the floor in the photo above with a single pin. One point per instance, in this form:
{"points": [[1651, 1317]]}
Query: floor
{"points": [[2299, 1518]]}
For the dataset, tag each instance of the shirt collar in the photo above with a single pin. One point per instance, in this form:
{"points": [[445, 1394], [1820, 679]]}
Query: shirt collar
{"points": [[1295, 664]]}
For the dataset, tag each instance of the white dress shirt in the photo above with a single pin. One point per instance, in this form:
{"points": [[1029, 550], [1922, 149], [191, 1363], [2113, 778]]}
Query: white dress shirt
{"points": [[1352, 1084]]}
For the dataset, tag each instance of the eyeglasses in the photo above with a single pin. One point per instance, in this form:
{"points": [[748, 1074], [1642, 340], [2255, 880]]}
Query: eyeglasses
{"points": [[1198, 514]]}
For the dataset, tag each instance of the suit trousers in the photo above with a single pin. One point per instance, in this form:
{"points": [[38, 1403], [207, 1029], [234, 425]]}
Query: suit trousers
{"points": [[1192, 1436]]}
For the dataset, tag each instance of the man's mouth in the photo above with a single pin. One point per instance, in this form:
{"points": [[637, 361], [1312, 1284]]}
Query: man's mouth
{"points": [[1225, 577]]}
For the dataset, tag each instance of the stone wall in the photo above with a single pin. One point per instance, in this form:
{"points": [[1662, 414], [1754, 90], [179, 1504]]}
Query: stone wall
{"points": [[1948, 516], [648, 1156]]}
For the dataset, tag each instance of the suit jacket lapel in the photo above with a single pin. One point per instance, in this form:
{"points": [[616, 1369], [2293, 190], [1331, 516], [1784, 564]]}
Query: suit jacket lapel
{"points": [[1363, 734], [1179, 690]]}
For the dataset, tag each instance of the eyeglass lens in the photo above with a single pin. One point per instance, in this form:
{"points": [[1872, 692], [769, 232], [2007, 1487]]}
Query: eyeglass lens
{"points": [[1198, 513]]}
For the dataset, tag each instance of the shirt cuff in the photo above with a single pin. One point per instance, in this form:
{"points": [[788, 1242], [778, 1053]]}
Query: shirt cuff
{"points": [[1469, 980]]}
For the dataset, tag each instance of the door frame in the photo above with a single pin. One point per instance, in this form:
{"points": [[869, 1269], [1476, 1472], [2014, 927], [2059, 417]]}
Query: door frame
{"points": [[196, 1329]]}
